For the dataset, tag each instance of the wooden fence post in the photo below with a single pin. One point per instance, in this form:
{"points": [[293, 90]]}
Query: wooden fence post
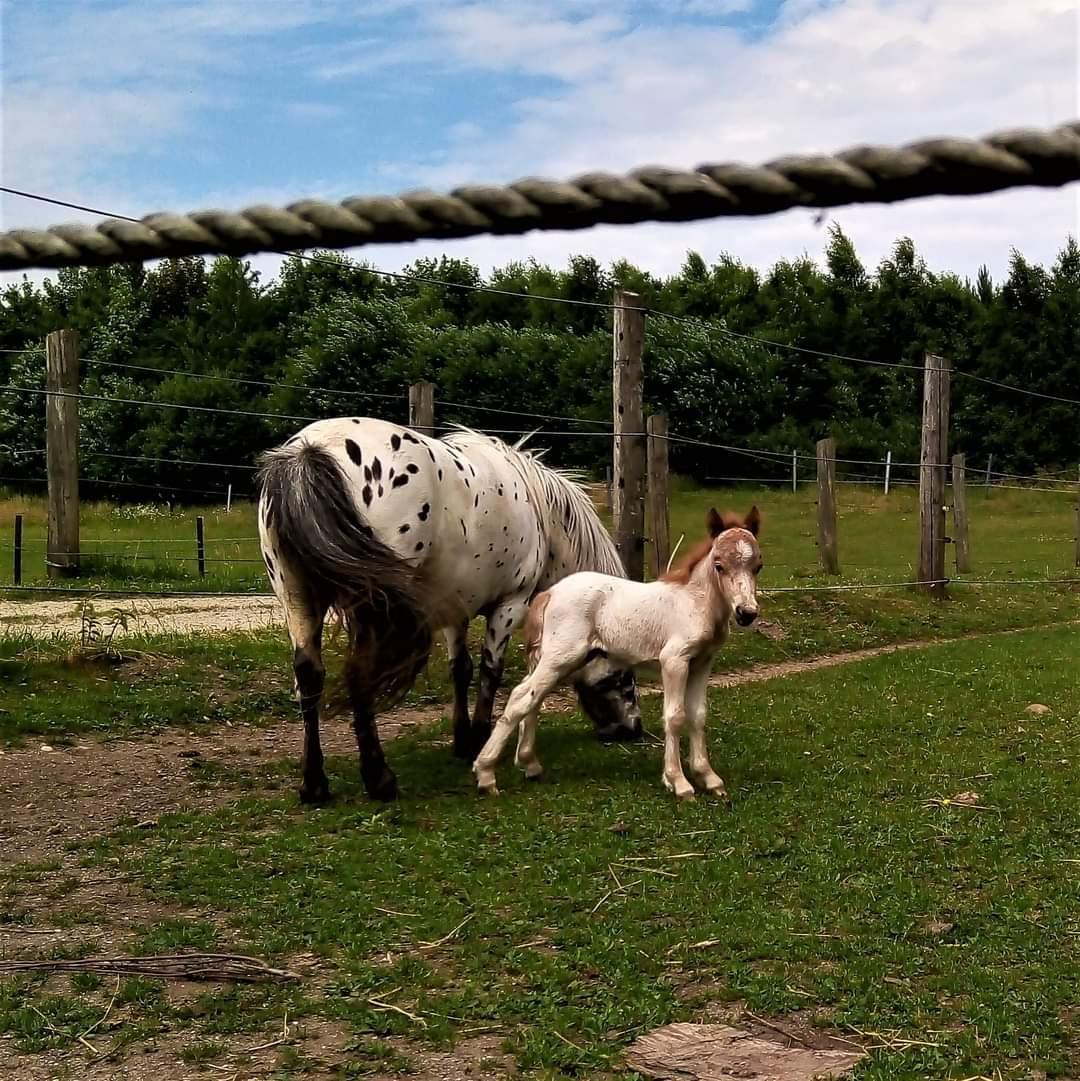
{"points": [[888, 469], [794, 470], [62, 452], [200, 544], [422, 408], [933, 463], [960, 514], [989, 463], [628, 464], [16, 570], [826, 506], [1078, 520], [659, 492]]}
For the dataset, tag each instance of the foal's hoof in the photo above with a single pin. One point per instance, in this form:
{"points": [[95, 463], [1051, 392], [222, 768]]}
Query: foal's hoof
{"points": [[315, 793], [488, 789], [719, 794]]}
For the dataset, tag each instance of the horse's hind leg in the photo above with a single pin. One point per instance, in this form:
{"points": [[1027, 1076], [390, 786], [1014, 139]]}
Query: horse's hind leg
{"points": [[379, 780], [461, 671], [305, 623]]}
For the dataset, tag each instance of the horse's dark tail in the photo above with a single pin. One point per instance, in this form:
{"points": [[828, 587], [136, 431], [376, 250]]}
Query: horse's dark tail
{"points": [[323, 537]]}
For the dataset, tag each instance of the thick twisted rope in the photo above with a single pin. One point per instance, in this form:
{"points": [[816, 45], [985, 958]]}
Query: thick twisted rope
{"points": [[865, 174]]}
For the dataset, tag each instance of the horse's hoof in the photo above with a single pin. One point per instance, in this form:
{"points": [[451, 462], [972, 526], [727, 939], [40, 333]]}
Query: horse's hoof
{"points": [[534, 771], [385, 789], [315, 794]]}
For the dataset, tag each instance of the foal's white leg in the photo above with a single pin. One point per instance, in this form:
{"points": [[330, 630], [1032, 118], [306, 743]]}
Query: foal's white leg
{"points": [[673, 669], [697, 709], [526, 759]]}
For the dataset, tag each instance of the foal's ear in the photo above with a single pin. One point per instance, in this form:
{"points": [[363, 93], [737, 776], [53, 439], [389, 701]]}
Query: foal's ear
{"points": [[753, 520], [714, 523]]}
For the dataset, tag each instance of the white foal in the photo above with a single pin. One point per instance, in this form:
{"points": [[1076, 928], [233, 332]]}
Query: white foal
{"points": [[679, 620]]}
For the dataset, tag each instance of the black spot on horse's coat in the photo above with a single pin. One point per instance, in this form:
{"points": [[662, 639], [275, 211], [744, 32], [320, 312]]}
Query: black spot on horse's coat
{"points": [[390, 475], [440, 474], [410, 438], [380, 491], [403, 528], [463, 529], [395, 442], [499, 564], [476, 501], [367, 495], [367, 473], [356, 420], [502, 644], [376, 469], [419, 546], [424, 511], [477, 556], [412, 467], [459, 465], [353, 452], [431, 454], [269, 565], [472, 469], [401, 480]]}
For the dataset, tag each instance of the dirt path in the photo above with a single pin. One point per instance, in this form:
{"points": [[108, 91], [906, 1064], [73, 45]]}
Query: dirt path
{"points": [[147, 615]]}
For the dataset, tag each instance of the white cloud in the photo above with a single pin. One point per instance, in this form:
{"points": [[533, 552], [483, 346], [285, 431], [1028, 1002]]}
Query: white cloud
{"points": [[829, 76]]}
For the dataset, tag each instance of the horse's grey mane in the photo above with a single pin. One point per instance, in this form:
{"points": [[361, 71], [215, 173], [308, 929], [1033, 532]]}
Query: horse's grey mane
{"points": [[561, 491]]}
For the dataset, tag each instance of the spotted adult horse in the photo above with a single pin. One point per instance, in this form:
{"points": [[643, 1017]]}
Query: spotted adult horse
{"points": [[406, 536]]}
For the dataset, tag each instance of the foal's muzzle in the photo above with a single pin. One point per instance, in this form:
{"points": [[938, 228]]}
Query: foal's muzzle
{"points": [[745, 616]]}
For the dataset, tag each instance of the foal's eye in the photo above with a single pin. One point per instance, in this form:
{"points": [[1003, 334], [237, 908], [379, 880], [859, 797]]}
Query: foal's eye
{"points": [[719, 567]]}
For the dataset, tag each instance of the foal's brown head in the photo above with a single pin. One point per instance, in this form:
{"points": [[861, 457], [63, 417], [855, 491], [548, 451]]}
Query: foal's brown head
{"points": [[736, 558]]}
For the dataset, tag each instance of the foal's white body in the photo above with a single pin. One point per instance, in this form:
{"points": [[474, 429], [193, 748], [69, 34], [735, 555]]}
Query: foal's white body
{"points": [[679, 621]]}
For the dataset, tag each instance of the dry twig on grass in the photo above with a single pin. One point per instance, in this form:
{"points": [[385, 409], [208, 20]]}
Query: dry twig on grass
{"points": [[177, 966]]}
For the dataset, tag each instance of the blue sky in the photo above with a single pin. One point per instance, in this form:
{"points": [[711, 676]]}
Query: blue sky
{"points": [[139, 105]]}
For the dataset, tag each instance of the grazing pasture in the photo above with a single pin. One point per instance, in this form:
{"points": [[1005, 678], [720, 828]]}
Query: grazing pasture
{"points": [[897, 868]]}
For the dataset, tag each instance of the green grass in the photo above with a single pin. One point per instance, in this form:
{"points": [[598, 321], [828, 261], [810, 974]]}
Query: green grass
{"points": [[569, 917]]}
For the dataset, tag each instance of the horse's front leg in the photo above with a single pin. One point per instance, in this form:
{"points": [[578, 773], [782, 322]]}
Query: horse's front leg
{"points": [[697, 711], [501, 624], [674, 671], [461, 671]]}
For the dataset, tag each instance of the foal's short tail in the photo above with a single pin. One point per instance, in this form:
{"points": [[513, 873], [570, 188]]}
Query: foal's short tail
{"points": [[534, 628], [336, 555]]}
